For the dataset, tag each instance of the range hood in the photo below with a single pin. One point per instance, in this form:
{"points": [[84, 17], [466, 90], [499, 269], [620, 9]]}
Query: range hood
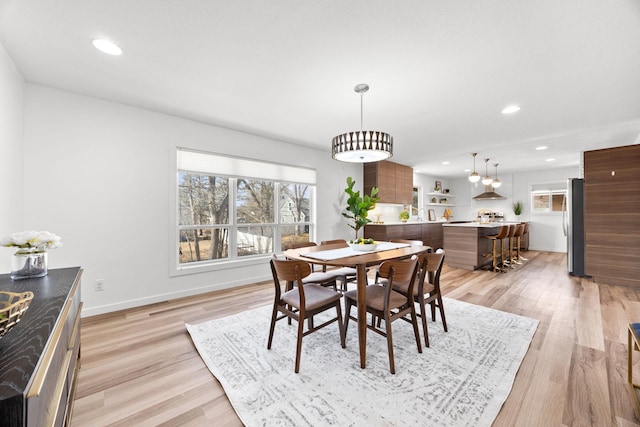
{"points": [[489, 194]]}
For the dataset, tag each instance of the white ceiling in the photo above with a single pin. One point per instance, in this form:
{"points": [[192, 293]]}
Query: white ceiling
{"points": [[440, 71]]}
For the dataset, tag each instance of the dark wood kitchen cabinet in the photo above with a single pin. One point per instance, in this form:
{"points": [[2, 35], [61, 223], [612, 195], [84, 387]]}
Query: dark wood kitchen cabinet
{"points": [[612, 215], [394, 181], [430, 233]]}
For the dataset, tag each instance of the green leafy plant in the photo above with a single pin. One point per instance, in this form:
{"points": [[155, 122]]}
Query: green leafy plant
{"points": [[358, 207], [404, 215], [517, 207]]}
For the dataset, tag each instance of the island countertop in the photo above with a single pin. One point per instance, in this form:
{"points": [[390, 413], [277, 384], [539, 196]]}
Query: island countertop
{"points": [[404, 223], [478, 224]]}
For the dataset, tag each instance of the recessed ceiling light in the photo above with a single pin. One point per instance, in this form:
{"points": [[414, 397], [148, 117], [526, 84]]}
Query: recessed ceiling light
{"points": [[107, 47], [542, 147], [446, 162], [550, 160], [467, 170], [511, 109]]}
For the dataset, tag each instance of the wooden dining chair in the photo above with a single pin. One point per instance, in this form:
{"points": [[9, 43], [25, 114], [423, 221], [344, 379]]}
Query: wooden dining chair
{"points": [[386, 304], [301, 302], [343, 274], [427, 289]]}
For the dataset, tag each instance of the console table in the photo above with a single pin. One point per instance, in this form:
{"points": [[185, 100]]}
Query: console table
{"points": [[40, 356]]}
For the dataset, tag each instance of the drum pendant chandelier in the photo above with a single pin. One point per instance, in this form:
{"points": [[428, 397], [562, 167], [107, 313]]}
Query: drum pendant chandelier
{"points": [[362, 146]]}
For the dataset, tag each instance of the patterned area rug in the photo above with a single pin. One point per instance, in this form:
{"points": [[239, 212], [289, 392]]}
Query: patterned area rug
{"points": [[461, 380]]}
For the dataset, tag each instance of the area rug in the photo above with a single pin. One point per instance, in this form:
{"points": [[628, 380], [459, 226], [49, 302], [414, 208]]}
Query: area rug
{"points": [[461, 380]]}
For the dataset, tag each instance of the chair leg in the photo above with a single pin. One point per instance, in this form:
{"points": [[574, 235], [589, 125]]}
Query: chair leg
{"points": [[299, 343], [414, 322], [347, 313], [274, 315], [423, 316], [341, 325], [387, 324], [441, 307]]}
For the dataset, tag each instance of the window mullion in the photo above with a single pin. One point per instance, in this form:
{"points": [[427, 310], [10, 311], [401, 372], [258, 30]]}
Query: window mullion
{"points": [[233, 220]]}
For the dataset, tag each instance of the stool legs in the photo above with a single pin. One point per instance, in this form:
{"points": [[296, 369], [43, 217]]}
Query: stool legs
{"points": [[495, 255], [520, 257]]}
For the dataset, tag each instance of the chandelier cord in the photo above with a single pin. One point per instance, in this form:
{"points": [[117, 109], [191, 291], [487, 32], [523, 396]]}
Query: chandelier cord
{"points": [[361, 112]]}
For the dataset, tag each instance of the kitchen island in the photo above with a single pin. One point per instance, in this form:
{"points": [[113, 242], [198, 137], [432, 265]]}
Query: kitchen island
{"points": [[465, 246]]}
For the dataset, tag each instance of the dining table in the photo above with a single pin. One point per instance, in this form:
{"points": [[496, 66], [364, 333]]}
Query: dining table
{"points": [[343, 255]]}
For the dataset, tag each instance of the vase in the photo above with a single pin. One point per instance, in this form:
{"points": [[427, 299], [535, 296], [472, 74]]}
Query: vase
{"points": [[26, 265]]}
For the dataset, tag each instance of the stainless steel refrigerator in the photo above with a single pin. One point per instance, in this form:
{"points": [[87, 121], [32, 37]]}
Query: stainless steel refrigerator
{"points": [[573, 225]]}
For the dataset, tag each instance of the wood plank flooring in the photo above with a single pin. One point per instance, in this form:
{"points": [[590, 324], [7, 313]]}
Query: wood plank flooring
{"points": [[140, 368]]}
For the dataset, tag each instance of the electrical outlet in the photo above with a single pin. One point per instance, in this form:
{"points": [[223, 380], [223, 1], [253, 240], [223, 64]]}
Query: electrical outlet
{"points": [[99, 285]]}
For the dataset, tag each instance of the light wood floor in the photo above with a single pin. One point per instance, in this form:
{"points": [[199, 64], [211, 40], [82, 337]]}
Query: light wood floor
{"points": [[140, 368]]}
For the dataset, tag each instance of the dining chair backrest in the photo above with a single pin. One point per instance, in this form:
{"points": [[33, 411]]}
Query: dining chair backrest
{"points": [[291, 271], [298, 245], [435, 261], [335, 241], [399, 272]]}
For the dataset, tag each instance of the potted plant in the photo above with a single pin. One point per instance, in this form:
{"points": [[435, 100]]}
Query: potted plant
{"points": [[517, 208], [358, 207], [404, 216]]}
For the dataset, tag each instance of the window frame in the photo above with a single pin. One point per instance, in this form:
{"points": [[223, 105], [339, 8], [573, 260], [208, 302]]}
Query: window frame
{"points": [[233, 260], [550, 193]]}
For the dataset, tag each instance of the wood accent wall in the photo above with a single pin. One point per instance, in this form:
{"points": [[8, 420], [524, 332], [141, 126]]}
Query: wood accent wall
{"points": [[612, 215]]}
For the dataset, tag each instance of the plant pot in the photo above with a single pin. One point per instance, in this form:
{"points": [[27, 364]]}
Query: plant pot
{"points": [[364, 248], [28, 265]]}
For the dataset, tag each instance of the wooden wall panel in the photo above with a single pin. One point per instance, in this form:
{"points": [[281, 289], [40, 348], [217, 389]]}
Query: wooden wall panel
{"points": [[612, 215]]}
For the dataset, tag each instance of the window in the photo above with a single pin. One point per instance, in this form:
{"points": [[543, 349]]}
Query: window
{"points": [[547, 197], [242, 212], [415, 204]]}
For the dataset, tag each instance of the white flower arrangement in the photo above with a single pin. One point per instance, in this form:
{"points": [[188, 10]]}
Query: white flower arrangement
{"points": [[32, 241]]}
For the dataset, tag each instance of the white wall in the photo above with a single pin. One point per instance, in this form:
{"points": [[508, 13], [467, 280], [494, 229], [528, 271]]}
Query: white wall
{"points": [[11, 164], [98, 175], [545, 229]]}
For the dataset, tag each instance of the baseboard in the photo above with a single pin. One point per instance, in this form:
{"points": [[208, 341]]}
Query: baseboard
{"points": [[124, 305]]}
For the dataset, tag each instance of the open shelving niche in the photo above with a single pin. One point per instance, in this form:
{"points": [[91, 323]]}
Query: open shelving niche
{"points": [[438, 196]]}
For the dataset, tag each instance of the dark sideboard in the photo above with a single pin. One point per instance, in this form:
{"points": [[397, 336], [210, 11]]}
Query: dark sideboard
{"points": [[40, 356]]}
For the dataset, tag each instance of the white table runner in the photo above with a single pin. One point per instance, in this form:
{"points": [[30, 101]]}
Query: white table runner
{"points": [[347, 252]]}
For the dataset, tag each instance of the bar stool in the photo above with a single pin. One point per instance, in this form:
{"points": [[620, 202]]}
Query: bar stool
{"points": [[516, 242], [507, 261], [525, 230], [502, 234]]}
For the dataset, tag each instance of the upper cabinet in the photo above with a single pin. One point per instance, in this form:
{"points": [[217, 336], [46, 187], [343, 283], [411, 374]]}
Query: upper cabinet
{"points": [[394, 181]]}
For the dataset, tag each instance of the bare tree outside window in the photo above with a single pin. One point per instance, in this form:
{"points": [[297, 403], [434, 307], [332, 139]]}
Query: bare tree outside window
{"points": [[227, 217], [203, 204], [295, 201], [255, 204]]}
